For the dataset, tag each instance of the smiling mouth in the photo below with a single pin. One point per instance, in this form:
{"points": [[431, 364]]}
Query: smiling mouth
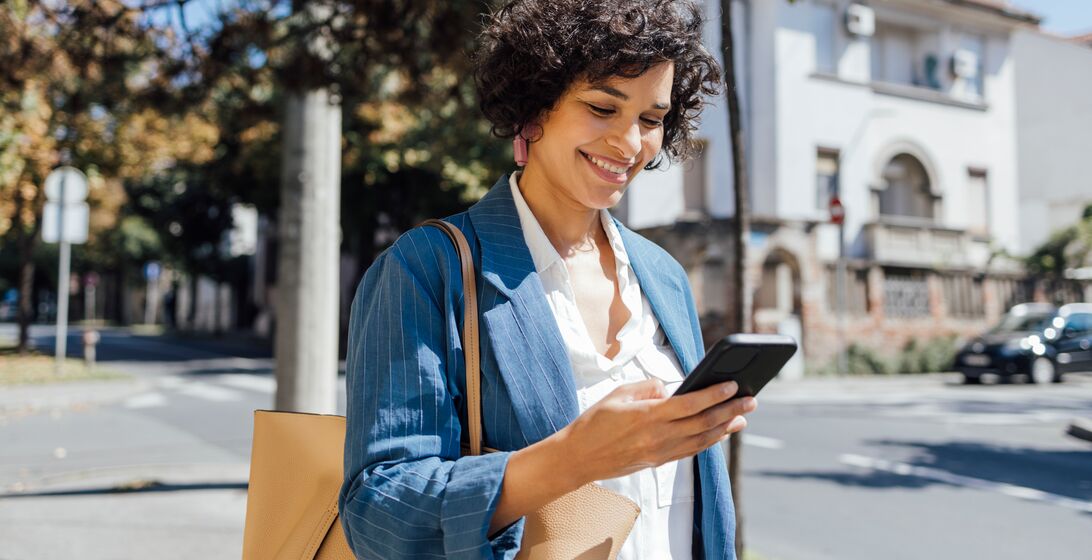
{"points": [[605, 165]]}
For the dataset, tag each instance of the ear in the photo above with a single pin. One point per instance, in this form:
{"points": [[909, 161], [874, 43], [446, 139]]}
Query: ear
{"points": [[532, 131]]}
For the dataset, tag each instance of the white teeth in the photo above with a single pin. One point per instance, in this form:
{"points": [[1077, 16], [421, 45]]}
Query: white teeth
{"points": [[607, 166]]}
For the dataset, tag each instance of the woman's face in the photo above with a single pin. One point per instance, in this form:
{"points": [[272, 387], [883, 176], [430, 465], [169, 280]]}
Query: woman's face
{"points": [[600, 136]]}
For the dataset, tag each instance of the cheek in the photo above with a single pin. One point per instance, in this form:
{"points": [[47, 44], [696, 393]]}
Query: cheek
{"points": [[651, 145]]}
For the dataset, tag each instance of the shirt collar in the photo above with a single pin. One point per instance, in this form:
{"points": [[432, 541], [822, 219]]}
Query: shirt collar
{"points": [[542, 251]]}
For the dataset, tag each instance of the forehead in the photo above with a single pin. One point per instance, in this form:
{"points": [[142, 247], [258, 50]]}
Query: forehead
{"points": [[654, 85]]}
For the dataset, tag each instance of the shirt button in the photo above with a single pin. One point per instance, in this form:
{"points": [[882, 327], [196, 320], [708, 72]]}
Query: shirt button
{"points": [[616, 374]]}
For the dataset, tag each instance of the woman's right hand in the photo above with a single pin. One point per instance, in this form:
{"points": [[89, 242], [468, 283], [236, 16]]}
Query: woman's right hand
{"points": [[638, 426]]}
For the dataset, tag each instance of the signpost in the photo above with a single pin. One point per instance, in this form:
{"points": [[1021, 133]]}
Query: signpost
{"points": [[151, 302], [64, 221], [838, 217]]}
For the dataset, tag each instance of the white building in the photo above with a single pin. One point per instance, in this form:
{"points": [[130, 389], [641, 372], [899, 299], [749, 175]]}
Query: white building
{"points": [[906, 110], [1054, 132]]}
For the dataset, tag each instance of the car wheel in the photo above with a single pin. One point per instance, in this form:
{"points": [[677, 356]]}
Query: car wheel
{"points": [[970, 380], [1042, 371]]}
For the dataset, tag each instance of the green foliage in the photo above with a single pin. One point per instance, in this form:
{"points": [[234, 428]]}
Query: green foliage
{"points": [[1067, 248], [928, 356], [916, 356]]}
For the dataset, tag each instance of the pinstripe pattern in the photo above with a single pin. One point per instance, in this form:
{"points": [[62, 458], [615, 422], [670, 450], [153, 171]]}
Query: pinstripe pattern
{"points": [[407, 493]]}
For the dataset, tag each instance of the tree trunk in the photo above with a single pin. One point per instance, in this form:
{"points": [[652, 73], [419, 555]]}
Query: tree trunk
{"points": [[306, 347], [739, 318], [25, 242]]}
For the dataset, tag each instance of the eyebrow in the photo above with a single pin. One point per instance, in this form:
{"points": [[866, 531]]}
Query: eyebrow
{"points": [[614, 92]]}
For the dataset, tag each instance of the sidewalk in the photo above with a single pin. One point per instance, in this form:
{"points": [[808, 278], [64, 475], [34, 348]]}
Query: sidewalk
{"points": [[144, 511]]}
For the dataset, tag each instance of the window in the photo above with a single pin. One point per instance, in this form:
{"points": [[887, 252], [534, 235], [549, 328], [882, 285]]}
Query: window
{"points": [[826, 177], [978, 203], [907, 191], [893, 55], [1079, 323], [973, 47], [906, 55], [905, 294], [823, 26]]}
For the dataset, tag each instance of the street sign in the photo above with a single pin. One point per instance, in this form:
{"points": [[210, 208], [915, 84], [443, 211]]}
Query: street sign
{"points": [[75, 220], [64, 221], [837, 211], [151, 271], [74, 185]]}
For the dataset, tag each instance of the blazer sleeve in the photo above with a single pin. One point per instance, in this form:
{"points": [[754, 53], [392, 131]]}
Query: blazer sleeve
{"points": [[407, 492]]}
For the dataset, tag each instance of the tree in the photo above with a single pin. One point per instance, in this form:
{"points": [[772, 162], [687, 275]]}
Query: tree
{"points": [[1066, 250], [69, 72]]}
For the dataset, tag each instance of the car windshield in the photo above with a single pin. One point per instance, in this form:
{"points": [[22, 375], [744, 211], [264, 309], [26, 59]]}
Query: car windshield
{"points": [[1023, 322]]}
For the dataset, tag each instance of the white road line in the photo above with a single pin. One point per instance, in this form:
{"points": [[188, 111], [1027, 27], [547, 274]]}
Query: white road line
{"points": [[209, 392], [258, 383], [762, 441], [146, 400], [1012, 490]]}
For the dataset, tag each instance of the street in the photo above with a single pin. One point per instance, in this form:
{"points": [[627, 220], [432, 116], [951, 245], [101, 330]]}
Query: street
{"points": [[861, 468]]}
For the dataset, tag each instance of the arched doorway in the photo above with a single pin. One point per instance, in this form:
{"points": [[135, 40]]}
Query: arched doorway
{"points": [[777, 305], [906, 191]]}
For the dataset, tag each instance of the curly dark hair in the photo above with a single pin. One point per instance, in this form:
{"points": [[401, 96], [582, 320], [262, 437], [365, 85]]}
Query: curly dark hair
{"points": [[531, 51]]}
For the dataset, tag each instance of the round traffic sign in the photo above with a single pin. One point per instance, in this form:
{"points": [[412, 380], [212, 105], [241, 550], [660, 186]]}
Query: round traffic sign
{"points": [[837, 211], [73, 181]]}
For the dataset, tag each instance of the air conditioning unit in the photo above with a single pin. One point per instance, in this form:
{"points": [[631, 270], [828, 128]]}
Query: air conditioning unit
{"points": [[860, 20], [965, 64]]}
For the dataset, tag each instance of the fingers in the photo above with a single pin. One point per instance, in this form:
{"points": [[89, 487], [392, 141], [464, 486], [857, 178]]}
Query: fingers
{"points": [[703, 440], [648, 389], [714, 416], [682, 406]]}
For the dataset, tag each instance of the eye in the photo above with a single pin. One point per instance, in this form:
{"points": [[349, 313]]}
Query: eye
{"points": [[652, 122], [601, 111]]}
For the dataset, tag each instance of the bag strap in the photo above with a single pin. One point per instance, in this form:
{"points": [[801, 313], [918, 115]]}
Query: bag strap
{"points": [[470, 332]]}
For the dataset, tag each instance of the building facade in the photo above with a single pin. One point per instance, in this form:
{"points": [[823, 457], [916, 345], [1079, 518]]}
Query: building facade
{"points": [[905, 110]]}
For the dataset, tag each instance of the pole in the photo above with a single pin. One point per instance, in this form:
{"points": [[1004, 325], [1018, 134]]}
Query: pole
{"points": [[151, 301], [62, 284], [738, 320], [843, 357], [89, 301]]}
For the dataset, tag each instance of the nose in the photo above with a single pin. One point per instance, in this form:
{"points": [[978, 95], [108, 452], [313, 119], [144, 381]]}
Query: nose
{"points": [[626, 140]]}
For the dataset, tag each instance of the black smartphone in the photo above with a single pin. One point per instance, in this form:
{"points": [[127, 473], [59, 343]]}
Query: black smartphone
{"points": [[751, 360]]}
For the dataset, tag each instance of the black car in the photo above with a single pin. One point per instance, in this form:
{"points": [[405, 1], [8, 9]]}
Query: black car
{"points": [[1036, 340]]}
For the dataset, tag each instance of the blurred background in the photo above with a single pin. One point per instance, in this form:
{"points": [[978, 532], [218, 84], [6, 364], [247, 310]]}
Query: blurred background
{"points": [[919, 217]]}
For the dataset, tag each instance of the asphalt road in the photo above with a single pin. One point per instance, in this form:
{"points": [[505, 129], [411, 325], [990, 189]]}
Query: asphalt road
{"points": [[905, 467], [929, 469]]}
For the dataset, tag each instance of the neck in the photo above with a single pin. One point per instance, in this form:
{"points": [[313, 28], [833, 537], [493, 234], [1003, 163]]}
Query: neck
{"points": [[570, 226]]}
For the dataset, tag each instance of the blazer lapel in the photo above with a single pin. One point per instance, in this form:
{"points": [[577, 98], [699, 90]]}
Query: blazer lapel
{"points": [[665, 296], [530, 353]]}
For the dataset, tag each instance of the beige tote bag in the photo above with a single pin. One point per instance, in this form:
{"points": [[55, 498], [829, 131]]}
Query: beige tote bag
{"points": [[296, 474]]}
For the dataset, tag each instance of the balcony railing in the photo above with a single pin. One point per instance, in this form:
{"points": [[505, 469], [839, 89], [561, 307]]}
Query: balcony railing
{"points": [[920, 243]]}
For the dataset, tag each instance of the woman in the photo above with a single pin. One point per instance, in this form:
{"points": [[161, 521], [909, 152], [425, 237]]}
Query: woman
{"points": [[586, 326]]}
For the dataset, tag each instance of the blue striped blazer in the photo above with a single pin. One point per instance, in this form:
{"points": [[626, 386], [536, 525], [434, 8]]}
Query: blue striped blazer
{"points": [[407, 492]]}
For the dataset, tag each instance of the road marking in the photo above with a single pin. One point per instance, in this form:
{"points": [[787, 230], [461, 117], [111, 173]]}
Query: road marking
{"points": [[146, 400], [1022, 492], [209, 392], [259, 383], [762, 441]]}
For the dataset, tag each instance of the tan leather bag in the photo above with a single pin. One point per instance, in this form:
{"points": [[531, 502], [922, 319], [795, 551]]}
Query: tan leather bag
{"points": [[296, 474]]}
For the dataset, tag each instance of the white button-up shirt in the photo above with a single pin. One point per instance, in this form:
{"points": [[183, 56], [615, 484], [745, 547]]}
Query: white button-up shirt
{"points": [[666, 493]]}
